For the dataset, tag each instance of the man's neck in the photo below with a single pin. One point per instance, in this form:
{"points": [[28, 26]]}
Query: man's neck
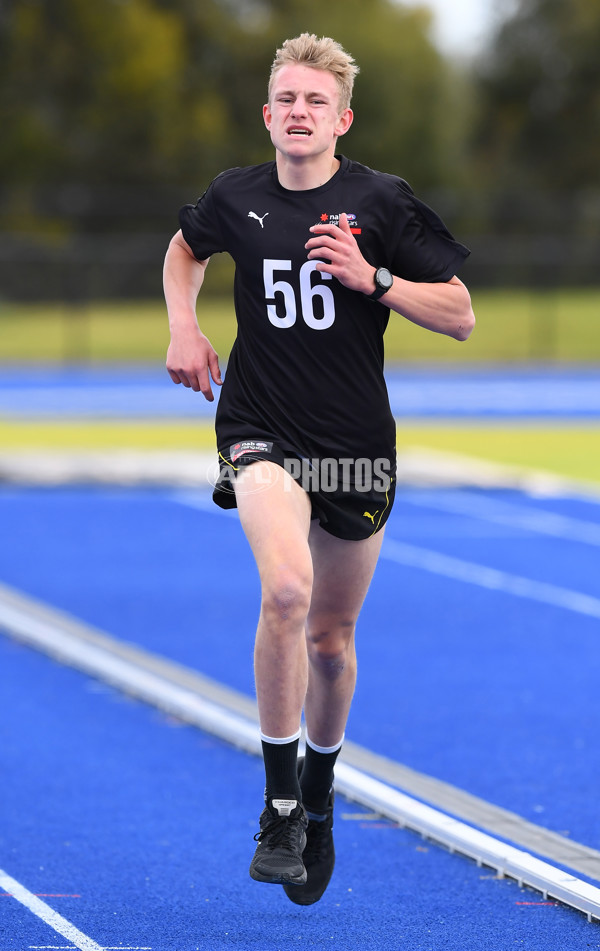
{"points": [[301, 175]]}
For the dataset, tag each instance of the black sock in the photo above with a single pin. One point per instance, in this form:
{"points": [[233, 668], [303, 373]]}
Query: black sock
{"points": [[317, 779], [281, 770]]}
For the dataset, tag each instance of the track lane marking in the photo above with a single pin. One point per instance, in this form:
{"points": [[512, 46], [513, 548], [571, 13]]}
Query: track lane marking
{"points": [[459, 837], [66, 638], [459, 569], [47, 914], [493, 579], [38, 630], [498, 511]]}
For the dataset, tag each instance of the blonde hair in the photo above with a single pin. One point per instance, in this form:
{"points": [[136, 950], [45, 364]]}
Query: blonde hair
{"points": [[326, 54]]}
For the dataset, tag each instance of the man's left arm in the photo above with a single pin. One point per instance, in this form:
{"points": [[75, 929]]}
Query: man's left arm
{"points": [[442, 307]]}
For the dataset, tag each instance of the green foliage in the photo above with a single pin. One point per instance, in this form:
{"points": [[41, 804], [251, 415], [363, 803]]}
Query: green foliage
{"points": [[91, 91], [161, 91], [122, 103], [539, 94]]}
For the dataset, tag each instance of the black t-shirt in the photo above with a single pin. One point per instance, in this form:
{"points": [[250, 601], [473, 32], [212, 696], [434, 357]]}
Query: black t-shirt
{"points": [[306, 369]]}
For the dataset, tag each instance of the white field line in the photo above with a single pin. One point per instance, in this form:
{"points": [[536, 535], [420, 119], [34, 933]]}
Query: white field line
{"points": [[41, 910], [459, 837], [423, 466], [124, 467], [127, 675], [469, 572], [417, 466], [491, 578], [500, 512], [243, 733], [202, 501]]}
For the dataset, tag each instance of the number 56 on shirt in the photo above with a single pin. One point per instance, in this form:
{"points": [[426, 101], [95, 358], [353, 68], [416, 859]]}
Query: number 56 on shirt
{"points": [[308, 293]]}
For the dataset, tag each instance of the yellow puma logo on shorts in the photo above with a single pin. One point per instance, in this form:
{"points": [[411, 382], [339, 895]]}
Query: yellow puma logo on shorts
{"points": [[372, 517]]}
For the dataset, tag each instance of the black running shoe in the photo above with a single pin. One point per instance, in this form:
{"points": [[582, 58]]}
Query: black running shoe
{"points": [[281, 841], [318, 858]]}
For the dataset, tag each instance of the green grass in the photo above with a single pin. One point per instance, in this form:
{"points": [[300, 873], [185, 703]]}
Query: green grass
{"points": [[511, 326], [100, 434], [570, 450]]}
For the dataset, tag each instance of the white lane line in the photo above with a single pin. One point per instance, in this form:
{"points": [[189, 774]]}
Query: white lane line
{"points": [[413, 556], [463, 805], [422, 466], [202, 501], [459, 837], [126, 674], [470, 572], [243, 733], [501, 512], [41, 910]]}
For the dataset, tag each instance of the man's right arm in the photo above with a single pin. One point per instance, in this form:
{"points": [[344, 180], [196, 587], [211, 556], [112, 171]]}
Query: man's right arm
{"points": [[191, 359]]}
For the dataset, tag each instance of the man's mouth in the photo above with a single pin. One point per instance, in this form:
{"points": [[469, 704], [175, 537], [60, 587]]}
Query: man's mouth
{"points": [[299, 131]]}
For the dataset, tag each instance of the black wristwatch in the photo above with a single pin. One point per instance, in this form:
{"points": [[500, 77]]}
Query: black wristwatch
{"points": [[383, 283]]}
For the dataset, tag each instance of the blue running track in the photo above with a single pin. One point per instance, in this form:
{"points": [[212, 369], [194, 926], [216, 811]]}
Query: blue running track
{"points": [[478, 656], [113, 392]]}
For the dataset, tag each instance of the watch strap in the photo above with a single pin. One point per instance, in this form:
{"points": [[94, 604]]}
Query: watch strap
{"points": [[380, 289], [377, 293]]}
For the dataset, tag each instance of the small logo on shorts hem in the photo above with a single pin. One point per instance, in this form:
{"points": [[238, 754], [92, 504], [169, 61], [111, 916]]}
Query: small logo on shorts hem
{"points": [[249, 445]]}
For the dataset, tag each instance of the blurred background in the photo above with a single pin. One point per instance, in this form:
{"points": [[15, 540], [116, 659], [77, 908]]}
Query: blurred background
{"points": [[115, 113]]}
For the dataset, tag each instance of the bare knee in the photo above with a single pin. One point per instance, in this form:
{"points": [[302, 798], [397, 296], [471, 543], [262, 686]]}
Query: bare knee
{"points": [[286, 597], [330, 645]]}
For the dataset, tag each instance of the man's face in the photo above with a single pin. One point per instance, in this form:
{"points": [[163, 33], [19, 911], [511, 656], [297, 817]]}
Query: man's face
{"points": [[302, 114]]}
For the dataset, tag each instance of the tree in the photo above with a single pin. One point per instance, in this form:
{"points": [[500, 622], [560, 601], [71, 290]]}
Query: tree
{"points": [[92, 91], [539, 99], [155, 92]]}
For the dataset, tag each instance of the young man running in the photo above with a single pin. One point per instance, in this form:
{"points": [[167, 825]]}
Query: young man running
{"points": [[324, 247]]}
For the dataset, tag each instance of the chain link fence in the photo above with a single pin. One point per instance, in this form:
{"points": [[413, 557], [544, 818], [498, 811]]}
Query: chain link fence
{"points": [[76, 244]]}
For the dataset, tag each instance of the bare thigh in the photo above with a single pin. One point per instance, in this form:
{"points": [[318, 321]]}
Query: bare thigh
{"points": [[342, 573], [275, 515]]}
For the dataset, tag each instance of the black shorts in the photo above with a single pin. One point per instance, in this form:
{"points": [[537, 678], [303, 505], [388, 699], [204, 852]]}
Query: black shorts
{"points": [[351, 498]]}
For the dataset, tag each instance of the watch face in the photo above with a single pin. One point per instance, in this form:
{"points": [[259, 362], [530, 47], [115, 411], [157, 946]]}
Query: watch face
{"points": [[384, 278]]}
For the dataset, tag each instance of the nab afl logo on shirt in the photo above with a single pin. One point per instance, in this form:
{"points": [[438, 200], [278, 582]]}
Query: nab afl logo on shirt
{"points": [[326, 219], [249, 445]]}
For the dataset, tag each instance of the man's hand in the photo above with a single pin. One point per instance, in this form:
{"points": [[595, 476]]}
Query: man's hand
{"points": [[192, 360], [338, 246]]}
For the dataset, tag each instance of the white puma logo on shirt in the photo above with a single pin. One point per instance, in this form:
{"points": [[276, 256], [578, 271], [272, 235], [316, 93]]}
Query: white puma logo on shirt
{"points": [[252, 214]]}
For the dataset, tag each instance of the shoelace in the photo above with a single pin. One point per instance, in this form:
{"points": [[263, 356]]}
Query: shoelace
{"points": [[280, 831], [318, 838]]}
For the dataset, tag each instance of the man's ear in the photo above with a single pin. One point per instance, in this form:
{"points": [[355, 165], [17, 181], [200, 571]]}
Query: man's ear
{"points": [[344, 122], [267, 115]]}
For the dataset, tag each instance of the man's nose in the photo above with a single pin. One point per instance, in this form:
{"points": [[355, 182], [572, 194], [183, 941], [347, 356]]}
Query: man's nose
{"points": [[299, 108]]}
